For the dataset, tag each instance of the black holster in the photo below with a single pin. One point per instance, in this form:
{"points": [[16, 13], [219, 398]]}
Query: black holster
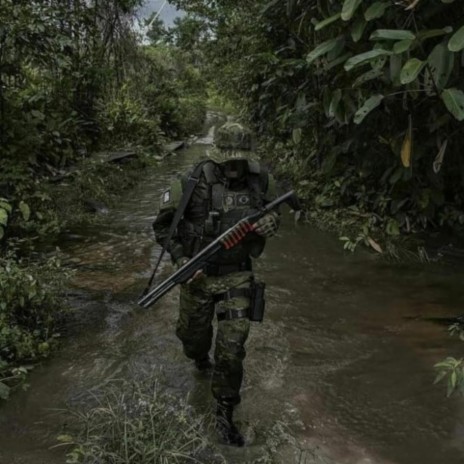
{"points": [[258, 302]]}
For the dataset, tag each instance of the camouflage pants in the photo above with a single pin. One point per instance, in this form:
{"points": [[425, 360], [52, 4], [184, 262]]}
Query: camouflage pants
{"points": [[195, 330]]}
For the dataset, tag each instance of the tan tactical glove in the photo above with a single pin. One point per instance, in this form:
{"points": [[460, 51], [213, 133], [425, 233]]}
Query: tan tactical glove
{"points": [[267, 226]]}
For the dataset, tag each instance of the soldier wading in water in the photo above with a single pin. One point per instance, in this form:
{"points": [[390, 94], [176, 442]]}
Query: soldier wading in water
{"points": [[230, 186]]}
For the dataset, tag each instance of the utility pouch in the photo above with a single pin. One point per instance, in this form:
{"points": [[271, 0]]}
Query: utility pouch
{"points": [[258, 303], [212, 223]]}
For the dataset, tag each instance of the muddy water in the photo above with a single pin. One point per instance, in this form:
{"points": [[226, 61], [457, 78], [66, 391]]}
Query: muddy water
{"points": [[336, 374]]}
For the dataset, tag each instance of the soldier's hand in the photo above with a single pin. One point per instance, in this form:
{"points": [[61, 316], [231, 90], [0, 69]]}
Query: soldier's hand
{"points": [[196, 277], [267, 226], [198, 274]]}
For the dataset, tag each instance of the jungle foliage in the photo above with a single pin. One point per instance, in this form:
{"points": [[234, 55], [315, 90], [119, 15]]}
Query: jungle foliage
{"points": [[138, 422], [361, 102], [75, 77]]}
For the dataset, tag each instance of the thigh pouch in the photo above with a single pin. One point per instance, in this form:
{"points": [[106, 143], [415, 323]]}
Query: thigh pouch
{"points": [[229, 314]]}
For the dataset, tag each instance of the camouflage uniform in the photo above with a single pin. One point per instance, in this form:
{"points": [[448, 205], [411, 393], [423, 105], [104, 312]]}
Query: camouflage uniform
{"points": [[230, 270]]}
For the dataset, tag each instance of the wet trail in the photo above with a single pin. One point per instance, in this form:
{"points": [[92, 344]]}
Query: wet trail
{"points": [[336, 374]]}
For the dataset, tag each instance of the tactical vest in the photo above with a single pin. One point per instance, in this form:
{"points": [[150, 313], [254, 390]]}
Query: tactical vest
{"points": [[215, 206]]}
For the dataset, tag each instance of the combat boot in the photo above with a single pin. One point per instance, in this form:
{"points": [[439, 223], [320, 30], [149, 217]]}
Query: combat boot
{"points": [[225, 425], [203, 364]]}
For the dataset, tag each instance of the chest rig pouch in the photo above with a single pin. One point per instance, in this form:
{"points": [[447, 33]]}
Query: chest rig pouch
{"points": [[214, 208]]}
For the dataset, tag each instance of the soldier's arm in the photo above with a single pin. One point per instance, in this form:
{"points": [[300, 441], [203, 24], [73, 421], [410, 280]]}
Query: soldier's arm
{"points": [[268, 225], [169, 202]]}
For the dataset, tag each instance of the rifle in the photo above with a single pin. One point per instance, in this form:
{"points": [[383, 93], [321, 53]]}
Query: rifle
{"points": [[226, 241]]}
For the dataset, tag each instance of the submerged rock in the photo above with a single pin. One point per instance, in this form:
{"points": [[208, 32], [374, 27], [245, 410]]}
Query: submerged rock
{"points": [[95, 206]]}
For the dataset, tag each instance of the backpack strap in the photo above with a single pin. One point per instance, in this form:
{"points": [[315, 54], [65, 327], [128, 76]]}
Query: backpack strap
{"points": [[189, 187]]}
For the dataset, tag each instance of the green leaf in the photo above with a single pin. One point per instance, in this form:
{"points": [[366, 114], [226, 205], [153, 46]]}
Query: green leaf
{"points": [[3, 217], [376, 10], [411, 70], [358, 29], [4, 391], [402, 46], [393, 228], [441, 62], [368, 76], [440, 376], [326, 100], [456, 43], [2, 232], [38, 115], [431, 33], [5, 205], [321, 24], [336, 97], [322, 49], [349, 9], [365, 57], [369, 105], [25, 210], [454, 101], [392, 34], [296, 135]]}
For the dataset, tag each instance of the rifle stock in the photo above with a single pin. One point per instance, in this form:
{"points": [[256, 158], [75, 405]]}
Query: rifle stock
{"points": [[227, 240]]}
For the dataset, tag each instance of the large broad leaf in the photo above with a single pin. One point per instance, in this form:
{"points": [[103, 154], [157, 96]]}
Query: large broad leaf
{"points": [[430, 33], [441, 62], [411, 70], [296, 136], [402, 46], [3, 217], [454, 101], [326, 100], [456, 43], [349, 9], [336, 97], [322, 49], [366, 77], [320, 25], [376, 10], [392, 34], [365, 57], [370, 104], [358, 29], [5, 205], [25, 210]]}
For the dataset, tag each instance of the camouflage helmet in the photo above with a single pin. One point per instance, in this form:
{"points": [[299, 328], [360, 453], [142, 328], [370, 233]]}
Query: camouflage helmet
{"points": [[232, 141], [233, 136]]}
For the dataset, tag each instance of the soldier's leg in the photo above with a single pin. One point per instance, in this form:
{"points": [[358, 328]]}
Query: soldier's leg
{"points": [[232, 333], [233, 329], [194, 326]]}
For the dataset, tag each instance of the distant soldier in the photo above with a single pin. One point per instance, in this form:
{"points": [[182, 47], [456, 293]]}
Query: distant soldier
{"points": [[230, 186]]}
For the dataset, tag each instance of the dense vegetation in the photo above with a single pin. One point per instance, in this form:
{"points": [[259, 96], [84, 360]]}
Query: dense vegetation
{"points": [[361, 103], [138, 422], [75, 78]]}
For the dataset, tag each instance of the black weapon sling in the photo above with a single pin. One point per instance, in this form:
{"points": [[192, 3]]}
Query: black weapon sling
{"points": [[190, 185]]}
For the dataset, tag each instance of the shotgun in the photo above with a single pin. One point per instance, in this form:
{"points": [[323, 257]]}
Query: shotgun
{"points": [[226, 241]]}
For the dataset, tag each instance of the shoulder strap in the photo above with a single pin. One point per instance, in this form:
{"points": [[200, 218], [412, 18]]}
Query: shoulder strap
{"points": [[189, 187]]}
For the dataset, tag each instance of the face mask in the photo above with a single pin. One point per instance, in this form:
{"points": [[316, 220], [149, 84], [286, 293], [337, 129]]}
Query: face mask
{"points": [[235, 169]]}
